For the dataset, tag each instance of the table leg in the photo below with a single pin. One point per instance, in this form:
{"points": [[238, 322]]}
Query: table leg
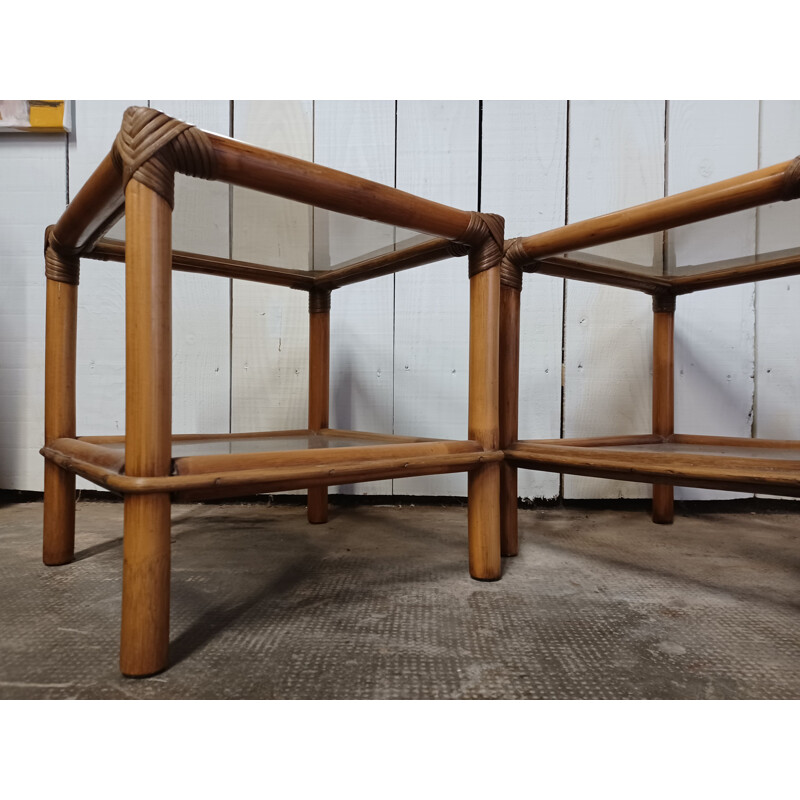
{"points": [[484, 480], [146, 548], [318, 387], [663, 395], [59, 420], [509, 413]]}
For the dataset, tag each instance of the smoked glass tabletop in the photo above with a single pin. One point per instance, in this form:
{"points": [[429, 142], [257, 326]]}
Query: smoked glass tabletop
{"points": [[754, 237], [246, 225]]}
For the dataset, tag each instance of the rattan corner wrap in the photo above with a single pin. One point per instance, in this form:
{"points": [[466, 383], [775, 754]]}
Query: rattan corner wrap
{"points": [[791, 180], [59, 265], [511, 265], [663, 302], [319, 301], [152, 146], [484, 234]]}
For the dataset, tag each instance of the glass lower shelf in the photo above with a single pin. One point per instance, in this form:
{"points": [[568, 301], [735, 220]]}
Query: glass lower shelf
{"points": [[278, 442], [736, 464], [227, 465]]}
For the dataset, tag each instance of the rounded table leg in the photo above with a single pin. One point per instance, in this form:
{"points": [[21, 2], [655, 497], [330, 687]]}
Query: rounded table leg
{"points": [[145, 585]]}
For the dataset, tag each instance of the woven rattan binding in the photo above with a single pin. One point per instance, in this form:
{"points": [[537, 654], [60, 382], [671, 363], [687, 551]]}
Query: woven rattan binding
{"points": [[663, 302], [58, 265], [152, 146], [791, 180], [319, 301], [511, 266], [484, 235]]}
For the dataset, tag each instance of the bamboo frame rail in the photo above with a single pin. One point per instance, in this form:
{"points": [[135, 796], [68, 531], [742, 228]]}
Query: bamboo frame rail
{"points": [[704, 470], [137, 178], [767, 185], [100, 202], [307, 280]]}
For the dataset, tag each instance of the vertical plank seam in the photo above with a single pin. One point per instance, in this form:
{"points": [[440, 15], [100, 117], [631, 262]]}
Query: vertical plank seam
{"points": [[753, 424], [66, 162], [562, 421], [480, 152], [312, 254], [665, 234], [230, 282], [394, 292]]}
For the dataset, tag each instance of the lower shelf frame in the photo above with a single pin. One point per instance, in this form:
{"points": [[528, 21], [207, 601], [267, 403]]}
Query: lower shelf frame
{"points": [[102, 461], [705, 468]]}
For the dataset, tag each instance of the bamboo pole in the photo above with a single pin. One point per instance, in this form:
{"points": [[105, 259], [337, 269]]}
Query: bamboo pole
{"points": [[255, 168], [59, 420], [318, 387], [509, 414], [484, 481], [146, 568], [724, 197], [93, 210], [663, 509]]}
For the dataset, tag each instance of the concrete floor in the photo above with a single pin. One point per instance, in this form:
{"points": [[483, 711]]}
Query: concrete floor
{"points": [[378, 604]]}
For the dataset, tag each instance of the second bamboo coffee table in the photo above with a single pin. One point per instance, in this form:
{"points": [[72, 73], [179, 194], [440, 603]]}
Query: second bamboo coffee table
{"points": [[662, 457], [149, 466]]}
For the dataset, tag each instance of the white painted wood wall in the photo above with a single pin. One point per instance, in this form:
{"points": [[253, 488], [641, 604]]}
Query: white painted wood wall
{"points": [[399, 343]]}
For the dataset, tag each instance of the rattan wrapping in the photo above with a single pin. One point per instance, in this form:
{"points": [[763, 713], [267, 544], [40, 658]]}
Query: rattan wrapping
{"points": [[484, 235], [152, 146], [663, 302], [791, 180], [64, 268], [511, 267], [319, 301]]}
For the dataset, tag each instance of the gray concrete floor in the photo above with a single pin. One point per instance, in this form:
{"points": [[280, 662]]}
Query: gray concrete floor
{"points": [[378, 604]]}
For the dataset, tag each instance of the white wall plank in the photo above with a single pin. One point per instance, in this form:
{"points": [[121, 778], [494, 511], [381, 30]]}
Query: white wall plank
{"points": [[358, 137], [714, 330], [616, 159], [200, 303], [437, 158], [101, 296], [777, 320], [524, 146], [269, 362], [33, 174]]}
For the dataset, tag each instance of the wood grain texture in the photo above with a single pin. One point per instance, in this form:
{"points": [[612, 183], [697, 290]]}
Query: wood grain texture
{"points": [[269, 378], [358, 137], [692, 469], [743, 191], [144, 633], [59, 420], [437, 158], [524, 147], [148, 418], [201, 304], [663, 402], [714, 331], [616, 160], [319, 379], [32, 177], [484, 481]]}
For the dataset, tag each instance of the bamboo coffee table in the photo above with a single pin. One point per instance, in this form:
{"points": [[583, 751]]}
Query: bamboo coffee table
{"points": [[663, 457], [149, 466]]}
